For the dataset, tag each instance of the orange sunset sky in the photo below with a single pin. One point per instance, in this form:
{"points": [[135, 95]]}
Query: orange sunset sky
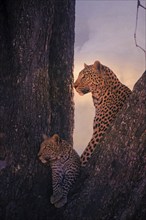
{"points": [[104, 31]]}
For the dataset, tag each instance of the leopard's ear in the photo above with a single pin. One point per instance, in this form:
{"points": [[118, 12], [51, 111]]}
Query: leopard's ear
{"points": [[56, 138], [45, 137], [97, 65], [85, 65]]}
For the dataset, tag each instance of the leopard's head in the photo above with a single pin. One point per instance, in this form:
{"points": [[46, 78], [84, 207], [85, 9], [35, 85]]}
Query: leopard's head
{"points": [[90, 78], [49, 149]]}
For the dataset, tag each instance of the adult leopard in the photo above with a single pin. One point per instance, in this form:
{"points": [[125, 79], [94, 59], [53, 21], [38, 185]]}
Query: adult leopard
{"points": [[108, 94]]}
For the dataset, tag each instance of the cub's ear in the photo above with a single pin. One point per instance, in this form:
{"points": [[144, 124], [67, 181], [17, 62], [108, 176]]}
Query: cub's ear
{"points": [[45, 137], [85, 65], [56, 138], [97, 65]]}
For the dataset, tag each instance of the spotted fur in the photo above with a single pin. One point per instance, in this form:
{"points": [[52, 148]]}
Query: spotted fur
{"points": [[108, 94], [65, 165]]}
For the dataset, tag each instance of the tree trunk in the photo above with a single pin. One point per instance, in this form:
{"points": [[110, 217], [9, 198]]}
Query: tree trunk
{"points": [[113, 185], [60, 69], [35, 90]]}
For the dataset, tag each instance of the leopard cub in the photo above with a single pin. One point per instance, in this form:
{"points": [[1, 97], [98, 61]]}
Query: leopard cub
{"points": [[65, 165]]}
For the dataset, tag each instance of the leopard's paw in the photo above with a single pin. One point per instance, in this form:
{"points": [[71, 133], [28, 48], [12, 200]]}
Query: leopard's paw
{"points": [[61, 202], [56, 197]]}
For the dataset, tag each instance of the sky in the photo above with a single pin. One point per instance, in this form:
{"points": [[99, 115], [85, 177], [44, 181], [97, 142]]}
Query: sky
{"points": [[104, 31]]}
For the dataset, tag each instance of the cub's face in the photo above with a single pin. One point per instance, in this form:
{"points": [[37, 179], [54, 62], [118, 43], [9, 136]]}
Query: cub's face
{"points": [[89, 78], [49, 149]]}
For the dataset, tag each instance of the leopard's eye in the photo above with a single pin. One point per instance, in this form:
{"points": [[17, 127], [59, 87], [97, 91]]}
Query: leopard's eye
{"points": [[83, 76]]}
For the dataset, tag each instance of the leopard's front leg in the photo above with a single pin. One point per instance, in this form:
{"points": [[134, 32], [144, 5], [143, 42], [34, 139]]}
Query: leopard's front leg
{"points": [[97, 135], [57, 177], [68, 180]]}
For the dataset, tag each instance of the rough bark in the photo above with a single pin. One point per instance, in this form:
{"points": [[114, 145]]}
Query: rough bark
{"points": [[27, 82], [60, 68], [113, 185]]}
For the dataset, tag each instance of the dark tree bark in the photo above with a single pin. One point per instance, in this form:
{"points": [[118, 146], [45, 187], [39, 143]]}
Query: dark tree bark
{"points": [[61, 67], [113, 185], [36, 44]]}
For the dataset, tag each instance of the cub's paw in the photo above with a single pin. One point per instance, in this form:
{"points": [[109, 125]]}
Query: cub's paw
{"points": [[61, 202], [56, 197]]}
